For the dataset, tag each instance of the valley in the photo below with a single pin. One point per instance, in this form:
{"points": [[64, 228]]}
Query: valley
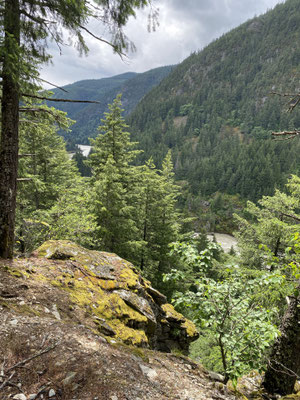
{"points": [[150, 217]]}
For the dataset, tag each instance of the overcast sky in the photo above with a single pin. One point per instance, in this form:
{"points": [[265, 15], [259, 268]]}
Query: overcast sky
{"points": [[185, 26]]}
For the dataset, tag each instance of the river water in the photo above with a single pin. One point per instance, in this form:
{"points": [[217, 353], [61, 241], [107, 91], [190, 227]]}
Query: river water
{"points": [[85, 149], [224, 240]]}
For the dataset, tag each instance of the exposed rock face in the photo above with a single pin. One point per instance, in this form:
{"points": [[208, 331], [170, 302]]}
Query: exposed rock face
{"points": [[123, 304]]}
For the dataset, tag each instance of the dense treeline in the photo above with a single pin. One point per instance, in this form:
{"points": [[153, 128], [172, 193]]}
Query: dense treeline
{"points": [[126, 209], [216, 113]]}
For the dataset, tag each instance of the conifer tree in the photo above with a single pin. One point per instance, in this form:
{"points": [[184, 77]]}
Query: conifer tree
{"points": [[26, 25], [114, 180], [159, 220], [52, 200], [168, 218]]}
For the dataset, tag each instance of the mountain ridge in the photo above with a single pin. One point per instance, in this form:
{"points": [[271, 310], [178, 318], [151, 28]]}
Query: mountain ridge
{"points": [[132, 85], [215, 111]]}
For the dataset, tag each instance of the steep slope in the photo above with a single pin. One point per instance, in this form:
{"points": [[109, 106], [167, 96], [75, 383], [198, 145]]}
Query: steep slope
{"points": [[216, 112], [133, 87], [64, 324]]}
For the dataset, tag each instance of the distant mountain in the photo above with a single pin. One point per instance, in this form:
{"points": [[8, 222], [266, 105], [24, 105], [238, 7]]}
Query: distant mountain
{"points": [[216, 113], [133, 87]]}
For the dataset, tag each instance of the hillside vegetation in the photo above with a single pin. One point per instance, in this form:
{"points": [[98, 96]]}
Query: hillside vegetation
{"points": [[133, 87], [216, 111]]}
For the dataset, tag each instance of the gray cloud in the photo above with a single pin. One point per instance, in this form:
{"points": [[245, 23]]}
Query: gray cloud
{"points": [[185, 26]]}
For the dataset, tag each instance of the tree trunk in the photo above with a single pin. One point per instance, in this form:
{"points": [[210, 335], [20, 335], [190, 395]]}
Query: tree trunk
{"points": [[284, 364], [9, 131]]}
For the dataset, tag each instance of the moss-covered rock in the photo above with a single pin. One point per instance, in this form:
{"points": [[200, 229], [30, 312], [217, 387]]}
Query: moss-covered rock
{"points": [[123, 305]]}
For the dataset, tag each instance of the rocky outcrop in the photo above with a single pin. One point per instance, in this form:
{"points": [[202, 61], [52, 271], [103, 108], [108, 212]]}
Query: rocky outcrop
{"points": [[123, 305], [64, 324]]}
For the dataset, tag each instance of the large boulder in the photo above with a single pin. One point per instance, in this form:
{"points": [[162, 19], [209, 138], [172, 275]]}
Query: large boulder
{"points": [[122, 304]]}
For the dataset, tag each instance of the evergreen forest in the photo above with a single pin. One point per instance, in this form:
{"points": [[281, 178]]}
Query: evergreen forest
{"points": [[208, 146]]}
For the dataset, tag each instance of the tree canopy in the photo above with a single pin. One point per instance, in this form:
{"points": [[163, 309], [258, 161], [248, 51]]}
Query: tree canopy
{"points": [[28, 25]]}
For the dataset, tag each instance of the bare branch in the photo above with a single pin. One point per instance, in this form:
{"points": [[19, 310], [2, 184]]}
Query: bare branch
{"points": [[52, 84], [285, 135], [59, 100], [6, 382], [293, 101], [34, 110], [38, 354], [104, 41]]}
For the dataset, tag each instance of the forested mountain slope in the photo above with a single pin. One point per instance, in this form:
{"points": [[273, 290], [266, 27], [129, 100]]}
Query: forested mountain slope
{"points": [[216, 112], [133, 87]]}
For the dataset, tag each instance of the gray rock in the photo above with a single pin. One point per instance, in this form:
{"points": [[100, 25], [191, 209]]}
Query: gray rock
{"points": [[158, 297], [20, 396], [55, 312], [137, 303], [69, 377], [216, 377], [51, 393], [150, 373], [32, 396]]}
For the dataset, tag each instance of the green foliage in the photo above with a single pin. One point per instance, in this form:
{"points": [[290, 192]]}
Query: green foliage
{"points": [[158, 219], [215, 111], [266, 233], [52, 199], [231, 317], [135, 206], [114, 179]]}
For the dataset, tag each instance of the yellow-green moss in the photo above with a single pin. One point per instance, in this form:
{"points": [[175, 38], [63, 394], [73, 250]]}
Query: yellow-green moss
{"points": [[190, 328], [129, 277], [128, 335], [55, 283], [107, 284], [136, 351], [24, 309], [171, 312], [112, 306], [15, 272]]}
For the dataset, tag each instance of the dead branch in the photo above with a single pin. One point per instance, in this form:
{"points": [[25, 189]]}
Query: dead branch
{"points": [[6, 382], [36, 355], [104, 41], [34, 110], [286, 135], [59, 100], [294, 99], [24, 179], [52, 84]]}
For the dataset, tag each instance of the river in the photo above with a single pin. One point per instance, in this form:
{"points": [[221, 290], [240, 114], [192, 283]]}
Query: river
{"points": [[85, 149], [224, 240]]}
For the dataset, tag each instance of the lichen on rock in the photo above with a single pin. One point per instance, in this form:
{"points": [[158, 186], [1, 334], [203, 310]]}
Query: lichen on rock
{"points": [[111, 290]]}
